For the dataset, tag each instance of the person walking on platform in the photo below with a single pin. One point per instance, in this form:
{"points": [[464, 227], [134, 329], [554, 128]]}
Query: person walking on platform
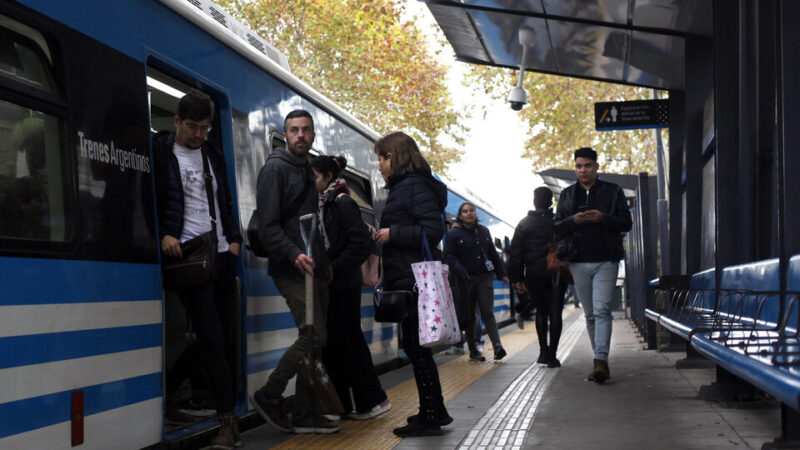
{"points": [[529, 249], [193, 199], [348, 242], [592, 214], [415, 204], [471, 255], [286, 190]]}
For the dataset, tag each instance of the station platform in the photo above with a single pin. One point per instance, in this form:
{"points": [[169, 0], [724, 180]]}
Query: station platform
{"points": [[517, 404]]}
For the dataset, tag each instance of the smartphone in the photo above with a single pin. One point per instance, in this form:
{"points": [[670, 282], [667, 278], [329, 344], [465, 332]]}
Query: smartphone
{"points": [[583, 208]]}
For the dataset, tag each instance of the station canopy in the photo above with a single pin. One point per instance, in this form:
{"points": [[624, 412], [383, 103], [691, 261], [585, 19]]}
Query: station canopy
{"points": [[637, 42]]}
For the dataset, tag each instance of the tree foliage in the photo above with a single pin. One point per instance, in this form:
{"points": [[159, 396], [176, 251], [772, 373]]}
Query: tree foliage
{"points": [[365, 57], [560, 115]]}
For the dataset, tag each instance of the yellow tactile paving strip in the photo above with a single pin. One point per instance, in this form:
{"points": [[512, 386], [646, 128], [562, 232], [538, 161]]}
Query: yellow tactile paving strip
{"points": [[455, 376]]}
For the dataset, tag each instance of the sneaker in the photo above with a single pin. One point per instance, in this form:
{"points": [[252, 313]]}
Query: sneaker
{"points": [[308, 423], [454, 350], [419, 428], [270, 409], [476, 357], [443, 420], [174, 416], [375, 411], [499, 353], [224, 440], [480, 348], [335, 417], [520, 322]]}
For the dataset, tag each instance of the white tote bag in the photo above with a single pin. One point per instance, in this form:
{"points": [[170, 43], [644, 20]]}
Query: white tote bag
{"points": [[438, 323]]}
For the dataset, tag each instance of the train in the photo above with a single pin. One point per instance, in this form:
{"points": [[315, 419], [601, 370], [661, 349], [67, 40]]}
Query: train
{"points": [[85, 326]]}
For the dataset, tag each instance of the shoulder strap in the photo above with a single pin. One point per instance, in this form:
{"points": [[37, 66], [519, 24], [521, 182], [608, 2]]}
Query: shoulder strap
{"points": [[212, 210]]}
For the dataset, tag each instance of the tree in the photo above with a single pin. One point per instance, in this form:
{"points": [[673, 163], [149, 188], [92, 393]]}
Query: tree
{"points": [[560, 115], [365, 57]]}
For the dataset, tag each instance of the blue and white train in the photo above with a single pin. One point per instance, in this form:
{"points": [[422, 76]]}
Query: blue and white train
{"points": [[83, 324]]}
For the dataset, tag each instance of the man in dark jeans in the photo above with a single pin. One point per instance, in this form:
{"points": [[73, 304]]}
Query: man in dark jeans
{"points": [[184, 213], [287, 190], [592, 215]]}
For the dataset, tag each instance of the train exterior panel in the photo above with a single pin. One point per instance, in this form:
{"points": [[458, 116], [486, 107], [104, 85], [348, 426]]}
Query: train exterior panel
{"points": [[82, 309]]}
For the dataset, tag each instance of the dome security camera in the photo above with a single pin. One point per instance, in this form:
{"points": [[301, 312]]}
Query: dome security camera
{"points": [[518, 97]]}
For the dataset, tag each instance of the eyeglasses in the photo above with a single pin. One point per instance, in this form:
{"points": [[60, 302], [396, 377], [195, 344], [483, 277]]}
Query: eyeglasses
{"points": [[195, 128]]}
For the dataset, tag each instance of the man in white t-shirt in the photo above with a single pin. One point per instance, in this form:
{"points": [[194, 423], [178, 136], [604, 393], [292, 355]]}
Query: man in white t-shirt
{"points": [[184, 213]]}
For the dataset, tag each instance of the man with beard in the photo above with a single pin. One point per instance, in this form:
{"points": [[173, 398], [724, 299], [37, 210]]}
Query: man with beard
{"points": [[287, 190]]}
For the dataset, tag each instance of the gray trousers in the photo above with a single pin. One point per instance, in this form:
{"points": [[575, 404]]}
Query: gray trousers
{"points": [[293, 289], [484, 301], [595, 283]]}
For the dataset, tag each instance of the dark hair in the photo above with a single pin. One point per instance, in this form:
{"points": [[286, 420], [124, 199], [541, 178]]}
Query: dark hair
{"points": [[458, 216], [195, 106], [333, 164], [542, 197], [298, 113], [406, 157], [586, 152]]}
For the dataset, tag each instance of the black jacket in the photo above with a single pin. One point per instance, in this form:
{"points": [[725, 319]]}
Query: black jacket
{"points": [[285, 191], [529, 247], [349, 238], [609, 199], [466, 250], [169, 189], [415, 202]]}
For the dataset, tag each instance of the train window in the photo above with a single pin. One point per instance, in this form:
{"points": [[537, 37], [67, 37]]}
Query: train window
{"points": [[359, 189], [276, 140], [33, 201], [25, 56]]}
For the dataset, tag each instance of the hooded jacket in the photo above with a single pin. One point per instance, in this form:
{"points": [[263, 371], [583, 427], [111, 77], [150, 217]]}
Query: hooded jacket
{"points": [[416, 202], [169, 189], [466, 251], [529, 247], [349, 237], [609, 199], [285, 191]]}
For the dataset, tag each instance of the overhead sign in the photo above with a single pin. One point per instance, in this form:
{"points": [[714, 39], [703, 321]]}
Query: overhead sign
{"points": [[631, 115]]}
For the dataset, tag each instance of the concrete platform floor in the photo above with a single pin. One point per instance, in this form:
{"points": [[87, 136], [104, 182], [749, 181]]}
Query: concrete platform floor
{"points": [[646, 404]]}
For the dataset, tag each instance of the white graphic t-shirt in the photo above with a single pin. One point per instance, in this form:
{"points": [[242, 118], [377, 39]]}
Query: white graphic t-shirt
{"points": [[196, 218]]}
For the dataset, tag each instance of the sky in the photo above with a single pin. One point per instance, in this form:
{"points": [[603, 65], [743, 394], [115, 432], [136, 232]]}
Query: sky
{"points": [[491, 166]]}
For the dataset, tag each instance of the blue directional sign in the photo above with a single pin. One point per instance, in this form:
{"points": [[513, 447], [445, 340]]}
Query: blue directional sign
{"points": [[631, 115]]}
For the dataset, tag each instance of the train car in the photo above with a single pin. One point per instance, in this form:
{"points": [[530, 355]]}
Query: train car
{"points": [[86, 330]]}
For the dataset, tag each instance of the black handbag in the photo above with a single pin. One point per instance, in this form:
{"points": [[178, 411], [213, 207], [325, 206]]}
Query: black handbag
{"points": [[197, 266], [392, 306]]}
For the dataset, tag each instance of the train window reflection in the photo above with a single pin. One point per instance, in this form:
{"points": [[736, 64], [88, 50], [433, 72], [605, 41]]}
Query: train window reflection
{"points": [[32, 195], [24, 55]]}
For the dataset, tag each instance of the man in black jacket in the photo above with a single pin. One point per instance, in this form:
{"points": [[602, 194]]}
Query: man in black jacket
{"points": [[592, 215], [286, 190], [528, 271], [184, 213]]}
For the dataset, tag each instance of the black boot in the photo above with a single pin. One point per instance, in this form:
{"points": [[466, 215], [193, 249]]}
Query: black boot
{"points": [[544, 355], [419, 428], [552, 361]]}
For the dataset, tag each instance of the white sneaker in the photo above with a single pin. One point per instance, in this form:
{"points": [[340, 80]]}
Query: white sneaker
{"points": [[376, 411], [334, 417]]}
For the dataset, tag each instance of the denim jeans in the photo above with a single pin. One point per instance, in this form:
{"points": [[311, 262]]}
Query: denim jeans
{"points": [[595, 283]]}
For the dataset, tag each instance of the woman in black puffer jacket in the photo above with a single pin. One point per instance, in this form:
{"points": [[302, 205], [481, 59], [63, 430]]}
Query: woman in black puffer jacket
{"points": [[348, 243], [415, 203]]}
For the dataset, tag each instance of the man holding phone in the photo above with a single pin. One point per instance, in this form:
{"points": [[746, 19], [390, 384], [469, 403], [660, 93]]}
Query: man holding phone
{"points": [[591, 217]]}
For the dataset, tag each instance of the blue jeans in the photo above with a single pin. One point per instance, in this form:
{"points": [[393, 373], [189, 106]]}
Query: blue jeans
{"points": [[595, 283]]}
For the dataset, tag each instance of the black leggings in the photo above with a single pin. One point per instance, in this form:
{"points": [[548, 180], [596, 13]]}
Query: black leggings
{"points": [[548, 299]]}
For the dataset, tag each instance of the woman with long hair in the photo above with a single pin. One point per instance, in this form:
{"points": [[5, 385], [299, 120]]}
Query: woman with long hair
{"points": [[415, 204], [348, 243], [473, 258]]}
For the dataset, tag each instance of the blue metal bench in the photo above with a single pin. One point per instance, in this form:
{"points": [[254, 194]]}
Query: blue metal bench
{"points": [[746, 327]]}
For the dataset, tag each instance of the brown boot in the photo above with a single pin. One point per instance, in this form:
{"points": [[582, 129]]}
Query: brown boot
{"points": [[224, 440], [600, 373]]}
